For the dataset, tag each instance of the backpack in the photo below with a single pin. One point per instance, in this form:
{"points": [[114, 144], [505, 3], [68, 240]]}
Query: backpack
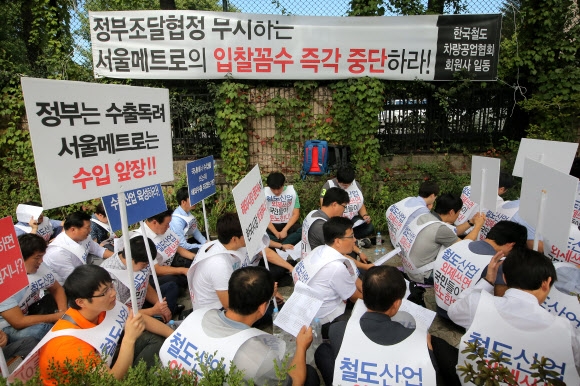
{"points": [[338, 155], [315, 158]]}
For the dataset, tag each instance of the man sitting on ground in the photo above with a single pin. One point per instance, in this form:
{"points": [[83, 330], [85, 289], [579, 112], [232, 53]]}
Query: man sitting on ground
{"points": [[284, 208], [100, 229], [356, 209], [229, 332], [330, 273], [116, 265], [42, 226], [93, 305], [18, 317], [383, 291], [184, 225], [72, 247]]}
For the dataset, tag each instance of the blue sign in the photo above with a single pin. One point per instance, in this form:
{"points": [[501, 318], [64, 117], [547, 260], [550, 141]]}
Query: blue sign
{"points": [[141, 203], [200, 179]]}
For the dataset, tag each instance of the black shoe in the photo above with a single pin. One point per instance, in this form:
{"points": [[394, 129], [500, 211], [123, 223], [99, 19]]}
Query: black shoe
{"points": [[178, 310]]}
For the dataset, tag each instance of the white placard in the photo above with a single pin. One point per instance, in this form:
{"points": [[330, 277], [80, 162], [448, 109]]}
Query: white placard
{"points": [[484, 174], [92, 140], [299, 310], [557, 155], [251, 206], [559, 190], [25, 212]]}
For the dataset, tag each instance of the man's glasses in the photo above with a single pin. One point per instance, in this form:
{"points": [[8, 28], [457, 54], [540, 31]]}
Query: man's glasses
{"points": [[343, 205], [106, 291], [348, 237]]}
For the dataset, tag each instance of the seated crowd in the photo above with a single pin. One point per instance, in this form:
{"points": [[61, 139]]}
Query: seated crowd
{"points": [[485, 279]]}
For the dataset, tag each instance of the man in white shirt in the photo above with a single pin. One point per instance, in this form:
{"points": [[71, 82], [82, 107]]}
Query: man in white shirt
{"points": [[330, 273], [184, 224], [72, 247], [529, 276]]}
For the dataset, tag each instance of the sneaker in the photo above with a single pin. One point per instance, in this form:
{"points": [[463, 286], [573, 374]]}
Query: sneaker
{"points": [[366, 243]]}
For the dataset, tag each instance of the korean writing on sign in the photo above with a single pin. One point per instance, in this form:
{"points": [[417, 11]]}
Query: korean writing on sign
{"points": [[200, 44], [576, 215], [200, 179], [361, 372], [517, 359], [13, 276], [141, 203], [406, 242], [559, 308], [102, 139], [186, 355], [570, 255], [109, 345], [456, 274]]}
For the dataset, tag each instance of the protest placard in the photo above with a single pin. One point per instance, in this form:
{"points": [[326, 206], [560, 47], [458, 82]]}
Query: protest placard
{"points": [[200, 179], [484, 182], [251, 206], [91, 140], [557, 155]]}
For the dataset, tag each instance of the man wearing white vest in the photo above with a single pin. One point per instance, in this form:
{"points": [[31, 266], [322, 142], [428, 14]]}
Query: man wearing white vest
{"points": [[167, 245], [403, 212], [330, 273], [284, 208], [17, 318], [184, 224], [210, 273], [42, 226], [423, 238], [462, 264], [230, 333], [375, 334], [92, 326], [101, 232], [515, 323], [356, 210], [72, 247], [116, 265]]}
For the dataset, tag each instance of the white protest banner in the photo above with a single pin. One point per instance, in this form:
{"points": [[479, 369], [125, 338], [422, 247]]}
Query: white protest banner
{"points": [[91, 140], [251, 206], [557, 155], [484, 182], [13, 276], [547, 202], [211, 45]]}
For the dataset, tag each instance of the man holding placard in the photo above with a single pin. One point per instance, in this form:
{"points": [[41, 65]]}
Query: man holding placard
{"points": [[72, 247], [184, 224], [31, 220], [17, 319]]}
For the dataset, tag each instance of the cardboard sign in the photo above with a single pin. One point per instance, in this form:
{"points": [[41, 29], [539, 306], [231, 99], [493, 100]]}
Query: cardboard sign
{"points": [[13, 276], [141, 203], [559, 190], [200, 179], [209, 45], [484, 172], [91, 140], [557, 155], [251, 206]]}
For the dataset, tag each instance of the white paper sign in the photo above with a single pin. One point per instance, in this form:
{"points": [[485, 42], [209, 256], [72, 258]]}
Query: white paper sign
{"points": [[299, 310], [92, 140], [557, 155], [25, 212], [251, 206], [484, 173], [559, 190]]}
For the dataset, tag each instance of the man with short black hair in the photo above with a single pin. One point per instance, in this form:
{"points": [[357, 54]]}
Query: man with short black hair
{"points": [[101, 232], [93, 305], [284, 207], [184, 224], [230, 333], [422, 239], [516, 319], [403, 212], [73, 247], [383, 290], [329, 272], [355, 209], [30, 313]]}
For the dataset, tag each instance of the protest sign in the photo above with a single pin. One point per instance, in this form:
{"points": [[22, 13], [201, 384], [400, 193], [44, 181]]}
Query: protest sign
{"points": [[547, 201], [210, 45], [484, 182], [557, 155], [141, 203], [91, 140], [200, 179], [251, 206]]}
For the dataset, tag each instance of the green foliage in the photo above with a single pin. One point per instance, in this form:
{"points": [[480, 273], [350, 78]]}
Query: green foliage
{"points": [[233, 109], [366, 8], [356, 103]]}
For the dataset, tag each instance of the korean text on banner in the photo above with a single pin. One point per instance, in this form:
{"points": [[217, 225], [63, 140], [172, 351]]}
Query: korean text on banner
{"points": [[12, 272], [211, 45], [251, 206], [91, 140], [141, 203], [200, 179]]}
